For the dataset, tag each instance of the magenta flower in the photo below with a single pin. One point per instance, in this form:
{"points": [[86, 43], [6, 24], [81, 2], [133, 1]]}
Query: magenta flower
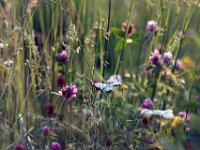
{"points": [[63, 55], [69, 92], [167, 58], [155, 57], [55, 146], [131, 28], [46, 130], [185, 115], [151, 26], [60, 80], [20, 147], [147, 103], [49, 109]]}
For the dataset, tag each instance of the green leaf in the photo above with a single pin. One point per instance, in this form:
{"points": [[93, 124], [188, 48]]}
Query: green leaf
{"points": [[117, 32], [119, 45]]}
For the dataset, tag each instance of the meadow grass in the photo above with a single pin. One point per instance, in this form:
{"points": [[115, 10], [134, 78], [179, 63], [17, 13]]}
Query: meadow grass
{"points": [[124, 82]]}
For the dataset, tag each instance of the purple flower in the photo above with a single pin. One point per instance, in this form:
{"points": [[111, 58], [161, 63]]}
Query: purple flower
{"points": [[184, 114], [151, 26], [69, 92], [155, 57], [20, 147], [55, 146], [49, 109], [63, 55], [167, 58], [179, 64], [131, 28], [147, 103], [46, 130], [60, 80]]}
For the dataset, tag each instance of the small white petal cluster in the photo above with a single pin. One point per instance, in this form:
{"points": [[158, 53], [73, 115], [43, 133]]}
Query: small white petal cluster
{"points": [[165, 114], [8, 63], [1, 45], [108, 86]]}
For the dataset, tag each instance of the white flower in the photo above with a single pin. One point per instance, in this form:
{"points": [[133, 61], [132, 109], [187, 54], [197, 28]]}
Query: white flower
{"points": [[1, 45], [146, 112], [165, 114], [114, 82], [8, 63], [100, 85], [108, 86]]}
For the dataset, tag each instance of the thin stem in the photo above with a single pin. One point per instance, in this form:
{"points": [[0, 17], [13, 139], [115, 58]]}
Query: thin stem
{"points": [[60, 108], [119, 61], [106, 46]]}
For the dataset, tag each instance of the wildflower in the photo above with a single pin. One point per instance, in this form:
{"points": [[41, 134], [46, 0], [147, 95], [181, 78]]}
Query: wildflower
{"points": [[123, 87], [63, 56], [20, 147], [1, 45], [8, 63], [187, 63], [55, 146], [108, 86], [69, 92], [178, 64], [100, 85], [46, 130], [185, 115], [177, 121], [146, 112], [164, 74], [86, 114], [116, 77], [147, 120], [151, 26], [113, 82], [49, 109], [148, 104], [131, 28], [155, 57], [168, 114], [167, 58], [165, 114], [60, 80]]}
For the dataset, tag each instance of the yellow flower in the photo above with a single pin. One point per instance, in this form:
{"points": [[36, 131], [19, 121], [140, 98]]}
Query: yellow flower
{"points": [[123, 87], [187, 63], [177, 121]]}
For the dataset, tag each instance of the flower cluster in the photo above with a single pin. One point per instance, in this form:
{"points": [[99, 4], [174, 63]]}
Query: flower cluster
{"points": [[165, 114], [108, 86], [152, 26], [46, 130], [60, 80], [148, 104], [69, 92], [131, 28], [20, 147], [156, 58], [63, 56], [55, 146], [8, 63]]}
